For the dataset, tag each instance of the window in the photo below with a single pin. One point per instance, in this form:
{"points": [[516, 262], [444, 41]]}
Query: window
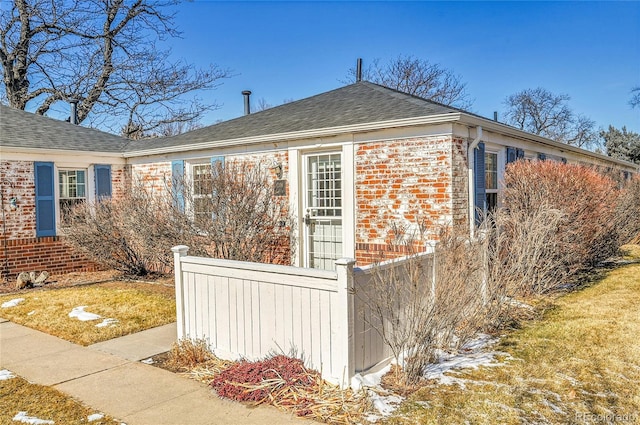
{"points": [[491, 179], [73, 186], [202, 192]]}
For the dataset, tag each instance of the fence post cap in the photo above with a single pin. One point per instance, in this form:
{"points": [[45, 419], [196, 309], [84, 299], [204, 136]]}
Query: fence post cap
{"points": [[345, 261], [180, 249]]}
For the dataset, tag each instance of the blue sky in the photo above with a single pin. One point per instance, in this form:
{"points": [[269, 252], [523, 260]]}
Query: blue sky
{"points": [[292, 50]]}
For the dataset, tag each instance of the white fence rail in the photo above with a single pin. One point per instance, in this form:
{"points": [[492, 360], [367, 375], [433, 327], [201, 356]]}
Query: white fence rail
{"points": [[250, 310]]}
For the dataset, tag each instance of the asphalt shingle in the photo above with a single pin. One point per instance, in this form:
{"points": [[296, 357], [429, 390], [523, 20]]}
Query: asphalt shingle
{"points": [[358, 103], [26, 130]]}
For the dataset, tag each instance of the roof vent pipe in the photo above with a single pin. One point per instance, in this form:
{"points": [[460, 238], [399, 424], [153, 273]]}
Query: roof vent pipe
{"points": [[495, 116], [359, 70], [247, 105], [73, 118]]}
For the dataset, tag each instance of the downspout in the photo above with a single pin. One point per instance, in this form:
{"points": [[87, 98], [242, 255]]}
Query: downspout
{"points": [[472, 186]]}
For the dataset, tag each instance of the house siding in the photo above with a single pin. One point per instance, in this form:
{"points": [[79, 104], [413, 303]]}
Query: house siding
{"points": [[407, 182], [20, 249]]}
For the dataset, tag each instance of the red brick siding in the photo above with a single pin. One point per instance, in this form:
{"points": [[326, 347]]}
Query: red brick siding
{"points": [[407, 181], [26, 252], [17, 181], [155, 176], [37, 254]]}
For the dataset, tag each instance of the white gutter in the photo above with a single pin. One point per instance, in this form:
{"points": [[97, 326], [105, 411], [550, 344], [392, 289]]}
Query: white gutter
{"points": [[508, 130], [472, 186]]}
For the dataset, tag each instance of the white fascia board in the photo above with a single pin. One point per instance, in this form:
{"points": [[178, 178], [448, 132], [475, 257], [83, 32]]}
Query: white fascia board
{"points": [[297, 135], [9, 153], [505, 129]]}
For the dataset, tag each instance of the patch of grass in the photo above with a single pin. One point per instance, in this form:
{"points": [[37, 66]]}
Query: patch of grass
{"points": [[136, 306], [579, 364], [18, 395], [631, 252]]}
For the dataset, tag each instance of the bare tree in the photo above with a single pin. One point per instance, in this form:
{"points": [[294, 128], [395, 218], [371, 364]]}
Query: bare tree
{"points": [[635, 97], [261, 105], [541, 112], [418, 77], [103, 53]]}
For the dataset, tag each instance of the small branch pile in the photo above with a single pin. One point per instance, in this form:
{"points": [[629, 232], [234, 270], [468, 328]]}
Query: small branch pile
{"points": [[285, 383]]}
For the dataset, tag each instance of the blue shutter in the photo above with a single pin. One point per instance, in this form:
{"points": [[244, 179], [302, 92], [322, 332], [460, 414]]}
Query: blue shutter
{"points": [[511, 155], [45, 199], [103, 181], [177, 183], [479, 182]]}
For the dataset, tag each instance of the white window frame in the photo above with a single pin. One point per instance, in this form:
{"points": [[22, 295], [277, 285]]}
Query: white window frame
{"points": [[89, 187], [496, 189], [190, 176]]}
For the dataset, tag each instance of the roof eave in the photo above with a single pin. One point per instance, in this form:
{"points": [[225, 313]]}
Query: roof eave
{"points": [[299, 135], [508, 130], [49, 151]]}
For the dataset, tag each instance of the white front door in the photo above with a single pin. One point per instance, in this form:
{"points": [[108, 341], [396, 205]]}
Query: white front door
{"points": [[322, 208]]}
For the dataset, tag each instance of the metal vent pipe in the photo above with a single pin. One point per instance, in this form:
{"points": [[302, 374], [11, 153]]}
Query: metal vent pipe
{"points": [[359, 70], [247, 104], [73, 118]]}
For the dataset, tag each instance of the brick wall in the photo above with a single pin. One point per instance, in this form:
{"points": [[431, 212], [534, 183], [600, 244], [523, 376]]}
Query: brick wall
{"points": [[17, 181], [37, 254], [24, 251], [154, 176], [412, 183]]}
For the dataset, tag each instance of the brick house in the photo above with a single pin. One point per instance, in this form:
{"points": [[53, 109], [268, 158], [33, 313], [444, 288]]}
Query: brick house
{"points": [[351, 161]]}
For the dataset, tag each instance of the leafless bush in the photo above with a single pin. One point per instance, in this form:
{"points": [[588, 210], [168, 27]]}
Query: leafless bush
{"points": [[422, 303], [233, 215], [523, 249], [131, 234], [237, 213], [587, 233], [628, 213]]}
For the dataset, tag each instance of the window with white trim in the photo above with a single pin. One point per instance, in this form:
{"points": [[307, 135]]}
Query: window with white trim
{"points": [[72, 189], [491, 179], [202, 192]]}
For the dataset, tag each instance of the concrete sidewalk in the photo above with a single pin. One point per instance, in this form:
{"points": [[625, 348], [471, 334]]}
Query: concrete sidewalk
{"points": [[109, 378]]}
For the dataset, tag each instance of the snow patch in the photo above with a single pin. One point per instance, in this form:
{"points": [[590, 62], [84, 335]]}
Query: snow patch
{"points": [[107, 322], [369, 379], [470, 356], [147, 361], [22, 417], [6, 374], [384, 404], [12, 303], [84, 316], [95, 417]]}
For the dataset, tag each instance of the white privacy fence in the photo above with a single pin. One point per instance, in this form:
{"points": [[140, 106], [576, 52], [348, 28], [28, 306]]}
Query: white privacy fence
{"points": [[251, 310]]}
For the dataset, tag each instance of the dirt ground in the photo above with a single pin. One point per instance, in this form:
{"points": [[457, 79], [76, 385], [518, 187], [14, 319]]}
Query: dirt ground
{"points": [[79, 278]]}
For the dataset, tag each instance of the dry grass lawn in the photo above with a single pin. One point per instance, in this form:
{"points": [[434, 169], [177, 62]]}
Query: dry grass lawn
{"points": [[579, 364], [45, 403], [135, 306]]}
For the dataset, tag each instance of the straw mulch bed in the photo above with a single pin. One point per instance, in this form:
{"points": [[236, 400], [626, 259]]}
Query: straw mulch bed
{"points": [[280, 381]]}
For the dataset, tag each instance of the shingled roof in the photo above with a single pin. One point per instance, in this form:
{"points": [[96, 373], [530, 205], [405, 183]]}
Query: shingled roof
{"points": [[26, 130], [358, 103]]}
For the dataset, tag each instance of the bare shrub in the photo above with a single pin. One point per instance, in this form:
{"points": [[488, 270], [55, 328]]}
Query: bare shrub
{"points": [[238, 215], [131, 234], [628, 213], [587, 200], [186, 354], [234, 215], [426, 302], [522, 250]]}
